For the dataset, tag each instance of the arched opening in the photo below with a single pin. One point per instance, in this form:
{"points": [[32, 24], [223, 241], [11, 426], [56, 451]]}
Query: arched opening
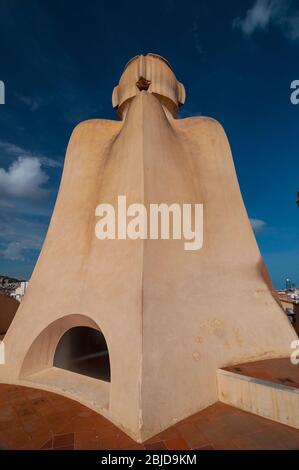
{"points": [[83, 350]]}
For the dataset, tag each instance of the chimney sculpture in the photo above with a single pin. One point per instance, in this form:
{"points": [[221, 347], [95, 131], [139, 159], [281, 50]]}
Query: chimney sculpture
{"points": [[137, 328]]}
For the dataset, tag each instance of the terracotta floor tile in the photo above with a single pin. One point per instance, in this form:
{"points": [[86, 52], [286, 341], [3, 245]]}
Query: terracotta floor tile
{"points": [[33, 393], [224, 444], [3, 441], [42, 406], [113, 439], [285, 436], [291, 438], [274, 370], [4, 445], [111, 432], [40, 437], [136, 446], [177, 443], [188, 420], [205, 448], [108, 444], [66, 404], [192, 434], [86, 440], [101, 424], [125, 442], [3, 396], [240, 424], [170, 433], [7, 413], [62, 440], [32, 423], [22, 407], [64, 448], [27, 447], [31, 418], [47, 445], [156, 446], [37, 428], [259, 441], [82, 424], [11, 424], [59, 423], [215, 413], [13, 392], [153, 439], [219, 435], [16, 438]]}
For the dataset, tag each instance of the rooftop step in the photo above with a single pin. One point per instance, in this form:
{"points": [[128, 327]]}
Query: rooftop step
{"points": [[267, 388]]}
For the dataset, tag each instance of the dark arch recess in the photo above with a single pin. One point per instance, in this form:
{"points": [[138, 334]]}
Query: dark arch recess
{"points": [[83, 350]]}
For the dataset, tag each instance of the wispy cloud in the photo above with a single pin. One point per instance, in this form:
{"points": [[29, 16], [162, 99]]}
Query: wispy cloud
{"points": [[32, 103], [13, 252], [280, 14], [257, 17], [292, 27], [258, 225], [196, 38], [18, 237]]}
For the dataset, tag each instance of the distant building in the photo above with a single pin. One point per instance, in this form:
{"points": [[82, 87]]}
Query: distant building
{"points": [[290, 303], [12, 287], [287, 301], [8, 308]]}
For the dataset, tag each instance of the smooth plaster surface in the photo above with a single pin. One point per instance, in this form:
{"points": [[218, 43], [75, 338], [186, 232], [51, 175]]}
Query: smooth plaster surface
{"points": [[170, 317], [273, 401]]}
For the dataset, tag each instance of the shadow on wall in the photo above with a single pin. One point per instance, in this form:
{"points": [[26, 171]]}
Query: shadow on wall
{"points": [[83, 350], [266, 277]]}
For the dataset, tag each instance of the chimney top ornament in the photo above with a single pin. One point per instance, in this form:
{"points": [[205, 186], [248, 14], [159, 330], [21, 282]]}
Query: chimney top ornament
{"points": [[152, 74]]}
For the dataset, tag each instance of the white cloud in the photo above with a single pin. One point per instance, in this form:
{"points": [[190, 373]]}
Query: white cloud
{"points": [[18, 236], [23, 174], [257, 17], [8, 149], [264, 13], [13, 252], [23, 179], [258, 225]]}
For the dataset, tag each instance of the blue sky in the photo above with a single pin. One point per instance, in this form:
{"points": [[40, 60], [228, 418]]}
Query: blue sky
{"points": [[59, 61]]}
